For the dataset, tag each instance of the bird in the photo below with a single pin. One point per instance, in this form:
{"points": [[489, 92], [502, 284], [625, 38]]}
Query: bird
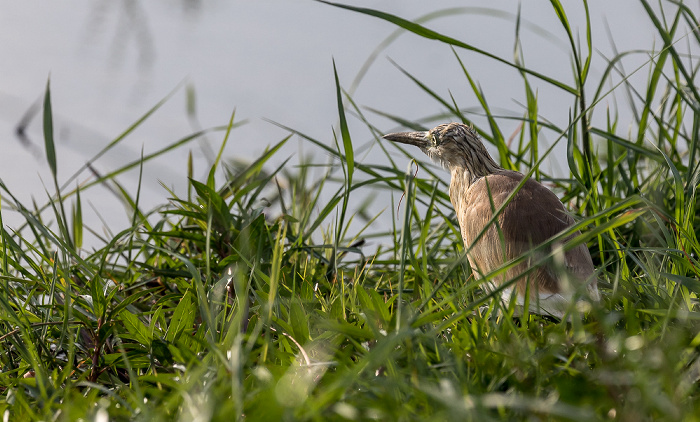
{"points": [[479, 187]]}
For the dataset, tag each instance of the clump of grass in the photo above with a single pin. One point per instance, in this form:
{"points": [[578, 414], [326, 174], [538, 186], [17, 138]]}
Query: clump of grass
{"points": [[214, 307]]}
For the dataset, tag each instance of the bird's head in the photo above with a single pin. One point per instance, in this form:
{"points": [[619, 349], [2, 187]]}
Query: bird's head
{"points": [[454, 145]]}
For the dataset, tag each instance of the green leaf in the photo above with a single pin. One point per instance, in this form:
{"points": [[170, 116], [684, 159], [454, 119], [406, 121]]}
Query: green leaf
{"points": [[122, 136], [559, 9], [142, 160], [215, 203], [350, 330], [160, 351], [212, 171], [123, 303], [299, 321], [136, 328], [77, 220], [344, 132], [48, 130], [430, 34], [182, 319]]}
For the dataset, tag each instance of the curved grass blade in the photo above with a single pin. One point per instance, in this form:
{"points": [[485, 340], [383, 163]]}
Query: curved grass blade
{"points": [[430, 34]]}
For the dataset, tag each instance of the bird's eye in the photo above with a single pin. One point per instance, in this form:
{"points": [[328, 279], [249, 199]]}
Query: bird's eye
{"points": [[435, 139]]}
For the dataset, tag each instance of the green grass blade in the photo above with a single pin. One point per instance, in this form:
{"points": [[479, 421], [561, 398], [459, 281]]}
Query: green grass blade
{"points": [[48, 130], [344, 132], [429, 34]]}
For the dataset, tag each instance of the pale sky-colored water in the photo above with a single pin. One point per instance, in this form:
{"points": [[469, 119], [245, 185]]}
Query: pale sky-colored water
{"points": [[110, 61]]}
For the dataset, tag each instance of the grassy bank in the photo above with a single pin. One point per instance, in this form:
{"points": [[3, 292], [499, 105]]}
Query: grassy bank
{"points": [[267, 293]]}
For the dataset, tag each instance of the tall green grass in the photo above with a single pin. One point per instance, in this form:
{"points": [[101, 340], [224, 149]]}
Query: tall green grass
{"points": [[267, 293]]}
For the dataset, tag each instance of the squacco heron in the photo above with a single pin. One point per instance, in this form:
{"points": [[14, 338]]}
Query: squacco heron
{"points": [[478, 187]]}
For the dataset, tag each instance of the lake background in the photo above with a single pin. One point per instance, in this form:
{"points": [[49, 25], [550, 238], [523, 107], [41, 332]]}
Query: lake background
{"points": [[110, 61]]}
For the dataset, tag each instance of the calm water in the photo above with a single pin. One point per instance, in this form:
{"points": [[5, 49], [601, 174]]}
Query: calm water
{"points": [[110, 61]]}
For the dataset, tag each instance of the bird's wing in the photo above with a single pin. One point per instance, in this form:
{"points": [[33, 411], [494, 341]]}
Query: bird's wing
{"points": [[534, 215]]}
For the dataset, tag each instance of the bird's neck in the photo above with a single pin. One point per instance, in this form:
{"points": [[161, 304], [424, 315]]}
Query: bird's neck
{"points": [[462, 177], [471, 171], [460, 181]]}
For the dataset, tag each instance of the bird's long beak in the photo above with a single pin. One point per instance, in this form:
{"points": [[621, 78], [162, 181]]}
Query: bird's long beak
{"points": [[419, 139]]}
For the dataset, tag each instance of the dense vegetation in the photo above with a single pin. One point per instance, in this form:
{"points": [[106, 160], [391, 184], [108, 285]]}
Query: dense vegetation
{"points": [[253, 297]]}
